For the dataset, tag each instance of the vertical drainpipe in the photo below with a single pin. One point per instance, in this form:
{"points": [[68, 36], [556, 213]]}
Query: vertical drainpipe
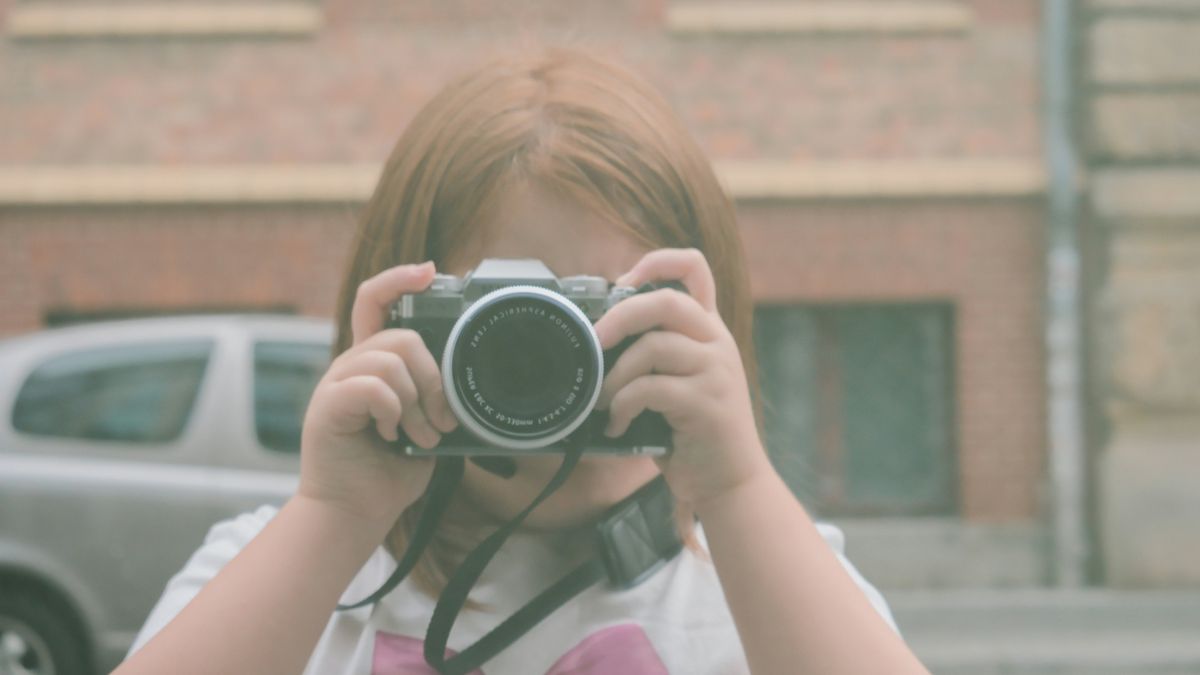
{"points": [[1063, 304]]}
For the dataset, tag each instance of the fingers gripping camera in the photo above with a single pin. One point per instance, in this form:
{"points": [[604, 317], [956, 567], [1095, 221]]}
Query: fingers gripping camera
{"points": [[520, 361]]}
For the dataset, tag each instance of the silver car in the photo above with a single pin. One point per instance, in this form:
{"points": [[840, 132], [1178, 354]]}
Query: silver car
{"points": [[121, 443]]}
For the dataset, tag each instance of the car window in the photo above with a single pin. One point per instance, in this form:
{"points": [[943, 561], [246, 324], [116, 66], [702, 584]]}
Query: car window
{"points": [[285, 375], [140, 393]]}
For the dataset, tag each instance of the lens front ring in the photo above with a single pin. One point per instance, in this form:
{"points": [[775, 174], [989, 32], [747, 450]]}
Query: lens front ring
{"points": [[454, 396]]}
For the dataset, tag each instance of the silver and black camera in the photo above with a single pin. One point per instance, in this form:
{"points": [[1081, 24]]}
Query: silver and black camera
{"points": [[520, 362]]}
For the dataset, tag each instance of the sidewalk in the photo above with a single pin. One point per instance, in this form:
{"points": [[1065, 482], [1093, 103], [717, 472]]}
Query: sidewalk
{"points": [[1044, 631]]}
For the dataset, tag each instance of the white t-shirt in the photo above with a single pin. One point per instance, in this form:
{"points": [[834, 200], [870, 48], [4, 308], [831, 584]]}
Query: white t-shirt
{"points": [[676, 621]]}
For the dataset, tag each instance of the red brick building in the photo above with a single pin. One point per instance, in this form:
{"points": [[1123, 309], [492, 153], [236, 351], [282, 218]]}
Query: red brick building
{"points": [[884, 156]]}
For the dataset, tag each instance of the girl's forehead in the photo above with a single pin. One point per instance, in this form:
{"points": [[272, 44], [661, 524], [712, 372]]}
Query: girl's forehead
{"points": [[565, 235]]}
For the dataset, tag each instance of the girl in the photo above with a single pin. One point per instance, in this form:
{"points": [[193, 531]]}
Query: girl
{"points": [[573, 161]]}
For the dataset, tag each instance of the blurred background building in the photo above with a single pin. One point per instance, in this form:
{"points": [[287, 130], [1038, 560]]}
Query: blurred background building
{"points": [[894, 185]]}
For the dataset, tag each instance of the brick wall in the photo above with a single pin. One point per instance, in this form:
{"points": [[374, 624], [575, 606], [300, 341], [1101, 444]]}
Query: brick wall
{"points": [[981, 256], [342, 95], [138, 260]]}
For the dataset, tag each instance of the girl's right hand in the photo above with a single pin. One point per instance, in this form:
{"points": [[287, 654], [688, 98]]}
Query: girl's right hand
{"points": [[387, 379]]}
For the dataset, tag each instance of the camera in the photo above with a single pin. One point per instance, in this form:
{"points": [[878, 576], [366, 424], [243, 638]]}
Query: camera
{"points": [[521, 364]]}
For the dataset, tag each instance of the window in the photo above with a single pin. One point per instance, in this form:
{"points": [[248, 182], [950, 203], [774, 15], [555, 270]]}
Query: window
{"points": [[285, 375], [137, 393], [858, 406]]}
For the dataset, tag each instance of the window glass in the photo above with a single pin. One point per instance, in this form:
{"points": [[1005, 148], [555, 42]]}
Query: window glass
{"points": [[786, 345], [140, 393], [859, 403], [895, 384], [285, 375]]}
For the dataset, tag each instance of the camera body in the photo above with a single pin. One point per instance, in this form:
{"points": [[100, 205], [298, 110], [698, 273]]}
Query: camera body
{"points": [[520, 362]]}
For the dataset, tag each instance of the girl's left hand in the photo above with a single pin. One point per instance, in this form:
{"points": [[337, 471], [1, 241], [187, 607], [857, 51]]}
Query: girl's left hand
{"points": [[685, 365]]}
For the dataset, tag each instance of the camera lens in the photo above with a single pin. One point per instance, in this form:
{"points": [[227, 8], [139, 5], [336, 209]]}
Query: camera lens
{"points": [[524, 366]]}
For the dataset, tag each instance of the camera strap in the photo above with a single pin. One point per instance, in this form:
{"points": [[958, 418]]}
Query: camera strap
{"points": [[447, 474], [633, 539]]}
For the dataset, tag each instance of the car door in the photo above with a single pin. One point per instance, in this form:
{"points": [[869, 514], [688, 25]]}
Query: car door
{"points": [[279, 364], [106, 489]]}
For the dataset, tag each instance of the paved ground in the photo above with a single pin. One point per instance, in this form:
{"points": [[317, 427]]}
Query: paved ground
{"points": [[1042, 632]]}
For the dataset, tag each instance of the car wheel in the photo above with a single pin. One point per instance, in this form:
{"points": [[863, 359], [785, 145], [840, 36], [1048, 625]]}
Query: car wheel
{"points": [[37, 637]]}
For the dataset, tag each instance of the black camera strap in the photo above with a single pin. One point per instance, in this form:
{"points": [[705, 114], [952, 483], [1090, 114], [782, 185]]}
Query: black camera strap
{"points": [[634, 538], [452, 599], [447, 474]]}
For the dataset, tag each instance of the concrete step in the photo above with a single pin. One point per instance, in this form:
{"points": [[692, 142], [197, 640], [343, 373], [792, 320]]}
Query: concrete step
{"points": [[1046, 631]]}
